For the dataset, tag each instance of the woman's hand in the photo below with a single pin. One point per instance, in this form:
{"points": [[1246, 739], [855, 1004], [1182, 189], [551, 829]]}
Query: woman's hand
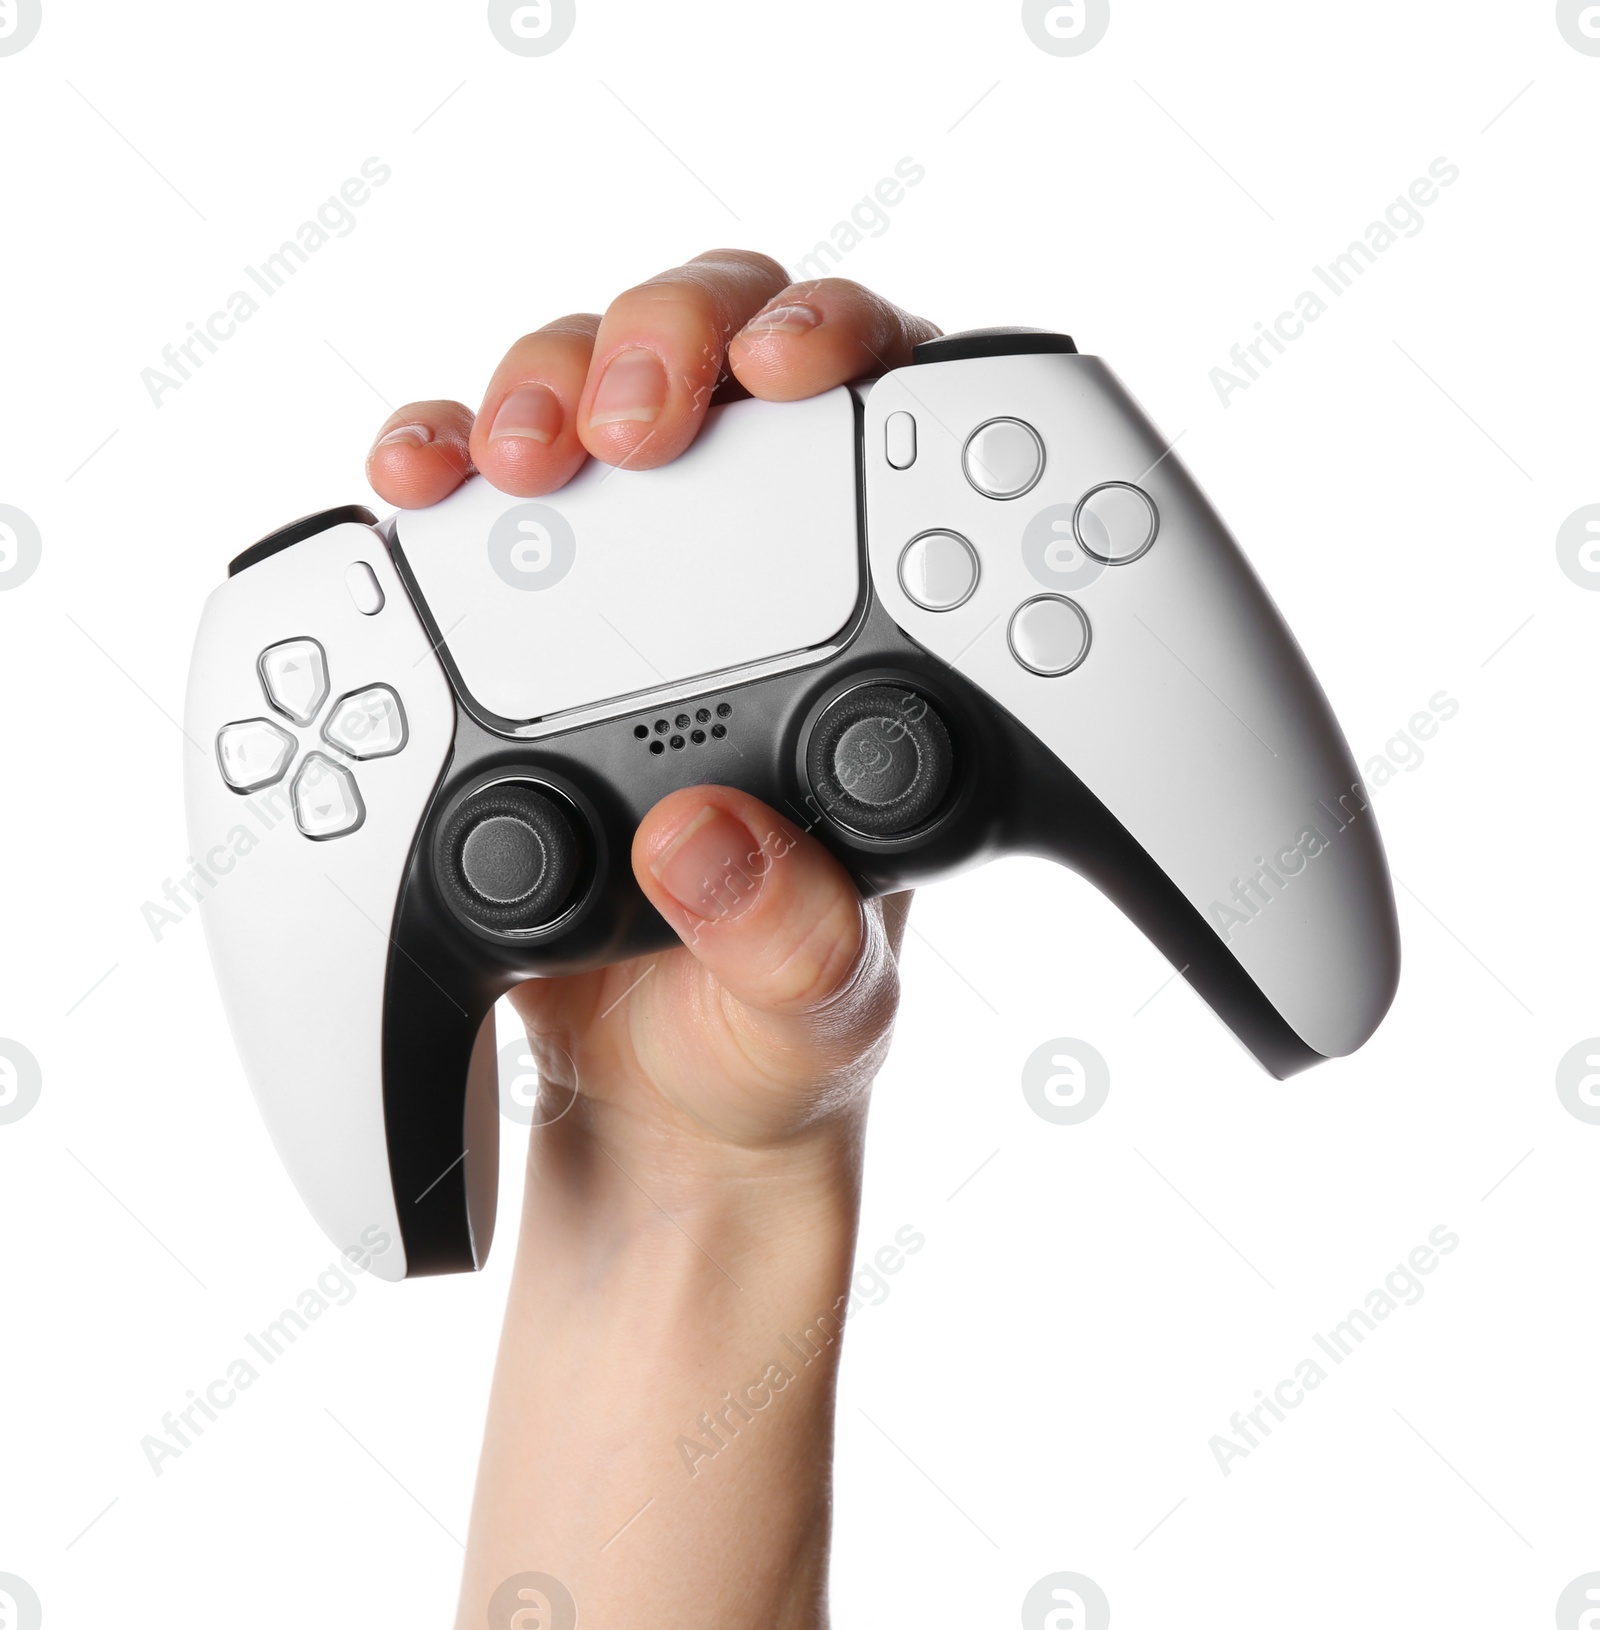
{"points": [[778, 1009], [693, 1184]]}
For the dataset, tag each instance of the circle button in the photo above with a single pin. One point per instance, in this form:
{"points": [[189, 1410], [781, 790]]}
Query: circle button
{"points": [[1003, 458], [1049, 635], [1116, 523], [939, 570]]}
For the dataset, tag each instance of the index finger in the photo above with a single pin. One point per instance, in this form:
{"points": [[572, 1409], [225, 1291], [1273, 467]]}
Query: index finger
{"points": [[813, 336], [658, 356]]}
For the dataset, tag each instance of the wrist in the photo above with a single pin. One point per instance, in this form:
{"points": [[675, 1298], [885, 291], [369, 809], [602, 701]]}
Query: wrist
{"points": [[674, 1326], [622, 1166]]}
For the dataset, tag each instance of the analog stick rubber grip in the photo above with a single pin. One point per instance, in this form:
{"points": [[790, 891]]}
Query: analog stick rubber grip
{"points": [[880, 761], [508, 858]]}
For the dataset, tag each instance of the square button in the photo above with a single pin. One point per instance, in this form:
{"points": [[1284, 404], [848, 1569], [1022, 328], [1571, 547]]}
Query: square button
{"points": [[253, 753]]}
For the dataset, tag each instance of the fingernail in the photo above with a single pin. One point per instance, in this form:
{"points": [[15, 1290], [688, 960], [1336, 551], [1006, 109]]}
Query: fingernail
{"points": [[713, 867], [529, 413], [411, 435], [791, 319], [633, 389]]}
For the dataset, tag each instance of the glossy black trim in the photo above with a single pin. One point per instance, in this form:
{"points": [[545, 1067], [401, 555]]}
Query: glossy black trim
{"points": [[308, 526], [1012, 796], [993, 342]]}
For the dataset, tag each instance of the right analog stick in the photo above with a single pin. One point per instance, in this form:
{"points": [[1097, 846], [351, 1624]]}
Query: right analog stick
{"points": [[880, 761]]}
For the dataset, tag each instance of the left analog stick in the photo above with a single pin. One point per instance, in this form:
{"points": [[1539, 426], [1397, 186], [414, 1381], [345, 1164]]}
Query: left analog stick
{"points": [[509, 858], [503, 859]]}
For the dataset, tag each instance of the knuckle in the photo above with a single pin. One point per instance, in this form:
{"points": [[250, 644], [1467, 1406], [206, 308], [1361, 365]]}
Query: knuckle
{"points": [[822, 959], [745, 260], [575, 325], [561, 344], [670, 292], [436, 409], [715, 288], [837, 291]]}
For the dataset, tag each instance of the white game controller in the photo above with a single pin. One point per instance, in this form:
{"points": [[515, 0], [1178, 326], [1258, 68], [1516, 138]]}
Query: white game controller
{"points": [[976, 606]]}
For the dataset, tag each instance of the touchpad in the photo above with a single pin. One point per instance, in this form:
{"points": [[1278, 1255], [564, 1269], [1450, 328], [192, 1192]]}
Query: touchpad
{"points": [[744, 549]]}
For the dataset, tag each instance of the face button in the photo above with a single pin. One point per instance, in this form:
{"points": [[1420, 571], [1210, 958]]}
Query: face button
{"points": [[295, 677], [253, 754], [367, 724], [1003, 458], [880, 761], [900, 440], [1116, 523], [939, 570], [327, 803], [1049, 635], [365, 590], [509, 858]]}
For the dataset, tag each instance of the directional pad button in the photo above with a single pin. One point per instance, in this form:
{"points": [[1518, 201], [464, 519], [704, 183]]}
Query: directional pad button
{"points": [[327, 803], [295, 678], [368, 723], [253, 753]]}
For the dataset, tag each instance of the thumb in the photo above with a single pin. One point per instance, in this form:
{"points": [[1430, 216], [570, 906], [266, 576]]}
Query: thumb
{"points": [[765, 909]]}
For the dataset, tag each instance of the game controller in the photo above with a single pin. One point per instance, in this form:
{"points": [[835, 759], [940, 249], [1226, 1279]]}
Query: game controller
{"points": [[973, 607]]}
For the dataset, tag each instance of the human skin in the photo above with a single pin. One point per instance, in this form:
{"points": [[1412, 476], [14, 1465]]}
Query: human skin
{"points": [[694, 1182]]}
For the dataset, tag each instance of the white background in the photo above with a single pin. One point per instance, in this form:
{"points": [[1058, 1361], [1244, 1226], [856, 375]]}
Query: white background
{"points": [[1096, 1302]]}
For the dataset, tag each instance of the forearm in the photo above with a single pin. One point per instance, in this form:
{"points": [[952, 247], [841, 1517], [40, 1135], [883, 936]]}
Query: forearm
{"points": [[661, 1423]]}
